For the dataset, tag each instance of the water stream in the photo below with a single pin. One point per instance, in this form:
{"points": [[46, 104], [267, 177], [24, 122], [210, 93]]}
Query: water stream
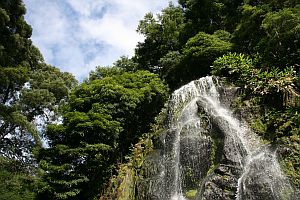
{"points": [[199, 125]]}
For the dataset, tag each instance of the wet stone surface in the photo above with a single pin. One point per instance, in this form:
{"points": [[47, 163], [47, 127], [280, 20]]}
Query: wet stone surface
{"points": [[207, 151]]}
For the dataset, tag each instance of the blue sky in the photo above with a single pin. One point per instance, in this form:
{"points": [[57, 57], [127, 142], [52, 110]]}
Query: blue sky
{"points": [[78, 35]]}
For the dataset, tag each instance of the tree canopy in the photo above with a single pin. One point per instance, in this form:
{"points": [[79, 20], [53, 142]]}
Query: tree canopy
{"points": [[104, 117], [30, 92]]}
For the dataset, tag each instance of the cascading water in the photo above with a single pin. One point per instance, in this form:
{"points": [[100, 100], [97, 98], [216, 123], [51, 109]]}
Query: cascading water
{"points": [[206, 153]]}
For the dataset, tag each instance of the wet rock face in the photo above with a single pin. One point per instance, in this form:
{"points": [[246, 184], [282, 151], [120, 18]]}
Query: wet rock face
{"points": [[228, 94], [194, 166], [205, 153], [198, 151], [157, 181], [221, 183], [222, 179], [149, 184]]}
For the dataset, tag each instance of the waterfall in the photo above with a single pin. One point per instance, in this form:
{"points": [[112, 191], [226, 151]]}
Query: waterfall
{"points": [[207, 153]]}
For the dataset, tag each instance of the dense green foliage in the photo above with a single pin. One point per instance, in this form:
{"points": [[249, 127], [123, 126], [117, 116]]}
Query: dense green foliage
{"points": [[104, 117], [16, 49], [18, 57], [28, 87], [255, 44], [210, 15], [166, 41], [30, 92], [265, 30], [196, 58], [269, 90], [257, 81], [162, 35], [15, 182], [270, 28]]}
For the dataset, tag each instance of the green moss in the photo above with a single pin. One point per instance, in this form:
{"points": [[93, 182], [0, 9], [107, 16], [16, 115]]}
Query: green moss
{"points": [[126, 190], [226, 190], [291, 160], [191, 194], [123, 186], [258, 126]]}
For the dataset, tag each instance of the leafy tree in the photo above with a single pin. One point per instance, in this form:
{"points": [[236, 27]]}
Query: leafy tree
{"points": [[102, 72], [197, 56], [17, 57], [168, 50], [46, 89], [209, 16], [16, 48], [237, 67], [28, 88], [36, 102], [123, 64], [270, 28], [281, 45], [126, 64], [104, 118], [274, 5], [17, 54], [15, 182], [171, 67], [201, 50], [162, 34]]}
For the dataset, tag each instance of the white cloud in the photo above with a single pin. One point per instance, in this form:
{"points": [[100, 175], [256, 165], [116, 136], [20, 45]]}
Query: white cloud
{"points": [[77, 35], [86, 7], [111, 31]]}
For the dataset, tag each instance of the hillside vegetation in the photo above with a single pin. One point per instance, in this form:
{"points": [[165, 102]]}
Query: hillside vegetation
{"points": [[95, 127]]}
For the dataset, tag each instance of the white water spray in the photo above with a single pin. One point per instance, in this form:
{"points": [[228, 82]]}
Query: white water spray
{"points": [[241, 146]]}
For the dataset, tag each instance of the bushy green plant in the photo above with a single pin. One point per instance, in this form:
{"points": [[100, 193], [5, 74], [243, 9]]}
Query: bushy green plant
{"points": [[15, 181], [280, 123], [257, 81], [104, 117], [233, 65]]}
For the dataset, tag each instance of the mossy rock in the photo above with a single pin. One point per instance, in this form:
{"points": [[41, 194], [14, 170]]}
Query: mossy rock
{"points": [[191, 194]]}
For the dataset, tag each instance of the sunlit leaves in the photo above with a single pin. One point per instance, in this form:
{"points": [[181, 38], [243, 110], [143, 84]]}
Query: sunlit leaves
{"points": [[270, 28], [29, 89], [282, 41], [207, 46], [162, 34], [257, 81], [104, 117], [201, 50]]}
